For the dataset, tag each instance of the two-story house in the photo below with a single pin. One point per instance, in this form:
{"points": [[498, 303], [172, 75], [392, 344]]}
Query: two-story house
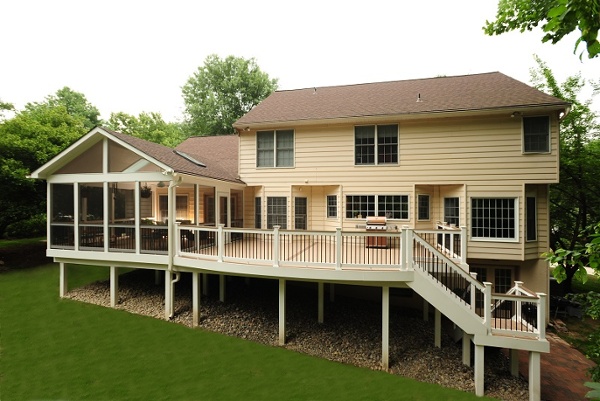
{"points": [[436, 186]]}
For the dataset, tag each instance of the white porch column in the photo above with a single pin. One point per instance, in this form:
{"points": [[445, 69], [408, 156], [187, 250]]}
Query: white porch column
{"points": [[63, 284], [438, 329], [479, 376], [114, 286], [168, 296], [535, 390], [514, 362], [466, 349], [385, 327], [195, 300], [281, 312], [221, 287], [321, 306]]}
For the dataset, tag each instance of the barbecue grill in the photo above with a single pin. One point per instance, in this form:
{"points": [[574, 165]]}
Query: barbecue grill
{"points": [[376, 223]]}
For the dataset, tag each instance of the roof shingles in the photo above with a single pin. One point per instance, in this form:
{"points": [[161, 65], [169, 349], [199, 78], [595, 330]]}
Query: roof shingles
{"points": [[443, 94]]}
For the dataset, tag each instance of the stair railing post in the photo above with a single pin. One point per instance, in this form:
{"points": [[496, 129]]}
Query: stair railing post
{"points": [[404, 247], [473, 289], [409, 248], [541, 315], [463, 245], [487, 305]]}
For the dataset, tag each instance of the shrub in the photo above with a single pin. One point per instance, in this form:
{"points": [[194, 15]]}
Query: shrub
{"points": [[34, 226]]}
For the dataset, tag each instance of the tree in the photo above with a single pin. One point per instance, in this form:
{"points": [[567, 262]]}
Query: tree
{"points": [[148, 126], [575, 201], [558, 18], [76, 105], [28, 140], [5, 107], [221, 91]]}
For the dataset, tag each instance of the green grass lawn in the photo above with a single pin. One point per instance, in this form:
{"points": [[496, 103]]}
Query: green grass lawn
{"points": [[60, 349]]}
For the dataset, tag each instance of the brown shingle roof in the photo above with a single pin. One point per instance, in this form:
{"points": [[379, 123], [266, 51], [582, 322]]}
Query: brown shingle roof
{"points": [[218, 155], [443, 94]]}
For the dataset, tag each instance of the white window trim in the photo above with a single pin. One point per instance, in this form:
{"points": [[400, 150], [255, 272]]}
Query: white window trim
{"points": [[337, 207], [486, 239], [377, 206]]}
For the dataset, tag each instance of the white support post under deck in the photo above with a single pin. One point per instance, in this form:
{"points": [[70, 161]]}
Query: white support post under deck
{"points": [[535, 391], [466, 349], [221, 287], [195, 300], [385, 327], [168, 297], [281, 312], [63, 286], [320, 296], [114, 286], [438, 329], [479, 370]]}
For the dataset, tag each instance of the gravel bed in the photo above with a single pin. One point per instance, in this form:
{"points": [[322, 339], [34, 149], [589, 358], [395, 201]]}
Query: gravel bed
{"points": [[351, 332]]}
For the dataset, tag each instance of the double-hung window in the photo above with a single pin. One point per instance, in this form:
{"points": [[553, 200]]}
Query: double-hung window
{"points": [[275, 148], [390, 206], [331, 206], [376, 144], [277, 211], [494, 218], [536, 134]]}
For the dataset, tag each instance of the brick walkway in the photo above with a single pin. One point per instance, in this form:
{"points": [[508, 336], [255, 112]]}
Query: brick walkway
{"points": [[564, 371]]}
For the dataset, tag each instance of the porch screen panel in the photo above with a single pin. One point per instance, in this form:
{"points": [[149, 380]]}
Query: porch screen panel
{"points": [[62, 229]]}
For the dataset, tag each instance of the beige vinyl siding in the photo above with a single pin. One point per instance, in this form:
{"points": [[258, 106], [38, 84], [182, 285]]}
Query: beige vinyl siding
{"points": [[442, 152]]}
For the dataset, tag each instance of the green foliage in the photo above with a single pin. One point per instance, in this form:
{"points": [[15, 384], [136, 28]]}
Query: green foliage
{"points": [[35, 226], [221, 91], [31, 138], [589, 301], [558, 18], [5, 107], [575, 201], [595, 392], [592, 351], [148, 126]]}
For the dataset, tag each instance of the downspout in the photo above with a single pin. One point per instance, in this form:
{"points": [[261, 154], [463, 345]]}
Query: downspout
{"points": [[175, 181]]}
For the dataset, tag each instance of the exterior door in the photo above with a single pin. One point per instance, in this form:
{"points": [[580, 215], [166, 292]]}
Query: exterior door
{"points": [[300, 213]]}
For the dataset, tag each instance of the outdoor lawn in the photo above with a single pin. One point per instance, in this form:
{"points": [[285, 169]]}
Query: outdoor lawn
{"points": [[62, 349]]}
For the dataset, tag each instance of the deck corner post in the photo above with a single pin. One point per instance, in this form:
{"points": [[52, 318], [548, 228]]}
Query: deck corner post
{"points": [[409, 247], [535, 393], [479, 370], [541, 315], [403, 247], [338, 248], [282, 311], [63, 284], [114, 286]]}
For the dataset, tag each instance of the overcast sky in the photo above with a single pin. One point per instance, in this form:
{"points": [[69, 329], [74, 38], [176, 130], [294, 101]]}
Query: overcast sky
{"points": [[135, 56]]}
